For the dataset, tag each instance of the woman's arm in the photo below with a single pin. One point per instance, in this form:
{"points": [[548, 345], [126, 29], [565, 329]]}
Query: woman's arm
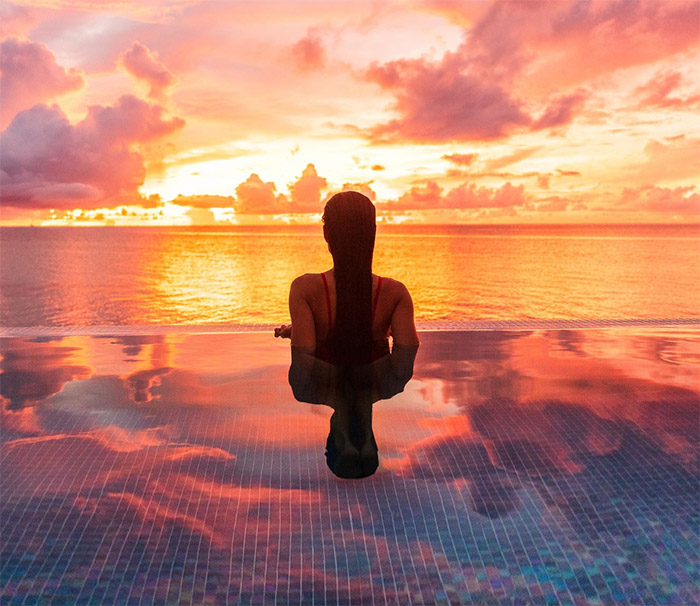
{"points": [[403, 326], [304, 332]]}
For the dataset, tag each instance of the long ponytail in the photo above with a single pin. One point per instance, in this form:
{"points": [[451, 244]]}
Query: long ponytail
{"points": [[350, 227]]}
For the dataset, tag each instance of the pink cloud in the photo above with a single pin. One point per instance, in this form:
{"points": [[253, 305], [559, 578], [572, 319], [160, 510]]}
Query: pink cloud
{"points": [[15, 20], [561, 110], [679, 200], [656, 93], [306, 191], [428, 195], [569, 42], [443, 102], [465, 196], [30, 75], [309, 53], [142, 63], [257, 197], [50, 163], [469, 196], [616, 34], [541, 52]]}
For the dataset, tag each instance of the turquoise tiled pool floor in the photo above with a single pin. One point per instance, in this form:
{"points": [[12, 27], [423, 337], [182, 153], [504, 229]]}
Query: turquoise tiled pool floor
{"points": [[542, 466]]}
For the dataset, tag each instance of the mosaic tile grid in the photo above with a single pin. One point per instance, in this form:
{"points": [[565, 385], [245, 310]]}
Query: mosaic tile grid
{"points": [[145, 470]]}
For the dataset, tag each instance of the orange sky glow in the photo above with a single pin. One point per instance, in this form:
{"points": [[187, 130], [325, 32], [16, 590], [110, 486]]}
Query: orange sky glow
{"points": [[187, 112]]}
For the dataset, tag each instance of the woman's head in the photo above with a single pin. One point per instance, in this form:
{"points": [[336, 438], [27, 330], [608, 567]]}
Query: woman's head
{"points": [[349, 225]]}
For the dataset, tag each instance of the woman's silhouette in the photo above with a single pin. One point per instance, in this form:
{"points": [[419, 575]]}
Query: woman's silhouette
{"points": [[342, 320]]}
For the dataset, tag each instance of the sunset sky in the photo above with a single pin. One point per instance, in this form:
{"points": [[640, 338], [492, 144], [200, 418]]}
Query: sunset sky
{"points": [[201, 112]]}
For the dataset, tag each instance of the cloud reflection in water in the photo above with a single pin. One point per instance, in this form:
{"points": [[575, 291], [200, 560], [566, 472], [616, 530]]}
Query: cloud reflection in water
{"points": [[184, 464]]}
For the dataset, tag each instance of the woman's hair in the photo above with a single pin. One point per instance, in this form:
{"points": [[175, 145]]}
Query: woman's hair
{"points": [[349, 225]]}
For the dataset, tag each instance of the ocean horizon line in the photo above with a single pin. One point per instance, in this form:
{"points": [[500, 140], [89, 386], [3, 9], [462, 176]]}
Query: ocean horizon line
{"points": [[380, 225]]}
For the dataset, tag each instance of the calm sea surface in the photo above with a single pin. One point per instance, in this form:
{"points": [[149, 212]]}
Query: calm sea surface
{"points": [[122, 275]]}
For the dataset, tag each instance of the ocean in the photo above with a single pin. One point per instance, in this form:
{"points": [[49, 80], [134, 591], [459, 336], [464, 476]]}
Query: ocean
{"points": [[89, 276]]}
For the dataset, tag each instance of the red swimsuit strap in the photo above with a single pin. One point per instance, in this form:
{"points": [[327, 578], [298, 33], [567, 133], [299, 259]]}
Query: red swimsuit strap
{"points": [[328, 302], [376, 297]]}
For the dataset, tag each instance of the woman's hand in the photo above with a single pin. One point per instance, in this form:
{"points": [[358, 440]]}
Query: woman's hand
{"points": [[284, 331]]}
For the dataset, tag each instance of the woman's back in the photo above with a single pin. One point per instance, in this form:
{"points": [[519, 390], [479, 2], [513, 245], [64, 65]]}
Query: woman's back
{"points": [[392, 313]]}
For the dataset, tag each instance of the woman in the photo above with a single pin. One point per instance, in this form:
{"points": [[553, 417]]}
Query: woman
{"points": [[341, 321]]}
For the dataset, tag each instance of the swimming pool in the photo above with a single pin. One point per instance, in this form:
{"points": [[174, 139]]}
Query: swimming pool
{"points": [[520, 466]]}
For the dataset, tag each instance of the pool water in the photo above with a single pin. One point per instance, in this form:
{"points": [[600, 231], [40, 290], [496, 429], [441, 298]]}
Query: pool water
{"points": [[517, 467]]}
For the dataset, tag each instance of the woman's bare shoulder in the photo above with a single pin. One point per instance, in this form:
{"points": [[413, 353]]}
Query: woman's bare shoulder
{"points": [[305, 284], [393, 286], [304, 281]]}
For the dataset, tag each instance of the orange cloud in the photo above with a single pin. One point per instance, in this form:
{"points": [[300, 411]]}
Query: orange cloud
{"points": [[305, 192], [201, 216], [205, 201], [255, 196], [460, 159], [363, 188], [30, 75], [141, 382], [678, 158]]}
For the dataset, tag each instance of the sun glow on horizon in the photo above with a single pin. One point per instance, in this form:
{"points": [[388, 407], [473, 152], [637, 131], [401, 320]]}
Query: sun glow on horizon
{"points": [[220, 113]]}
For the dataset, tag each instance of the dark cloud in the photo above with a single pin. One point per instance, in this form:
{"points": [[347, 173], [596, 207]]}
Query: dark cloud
{"points": [[561, 110], [47, 162], [443, 102], [34, 371]]}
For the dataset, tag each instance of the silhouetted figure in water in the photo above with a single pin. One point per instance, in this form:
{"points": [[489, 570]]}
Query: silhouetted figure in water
{"points": [[341, 323]]}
